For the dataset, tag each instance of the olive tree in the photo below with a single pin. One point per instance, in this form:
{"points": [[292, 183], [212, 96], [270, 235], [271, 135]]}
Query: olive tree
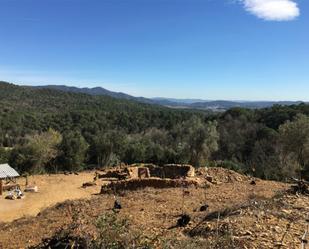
{"points": [[294, 137]]}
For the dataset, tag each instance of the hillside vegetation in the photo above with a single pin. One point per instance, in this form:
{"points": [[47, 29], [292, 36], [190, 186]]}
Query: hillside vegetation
{"points": [[45, 130]]}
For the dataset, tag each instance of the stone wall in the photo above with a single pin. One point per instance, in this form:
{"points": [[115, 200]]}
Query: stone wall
{"points": [[134, 184], [172, 171], [138, 172]]}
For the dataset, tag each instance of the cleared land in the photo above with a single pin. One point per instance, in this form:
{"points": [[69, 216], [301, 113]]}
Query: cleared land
{"points": [[263, 215], [52, 189]]}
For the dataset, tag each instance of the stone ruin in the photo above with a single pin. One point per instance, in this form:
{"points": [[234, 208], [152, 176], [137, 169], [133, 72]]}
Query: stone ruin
{"points": [[148, 175], [170, 171], [173, 171], [138, 172], [135, 184]]}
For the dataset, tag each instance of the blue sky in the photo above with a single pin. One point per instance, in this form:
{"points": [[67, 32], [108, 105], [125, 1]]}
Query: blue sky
{"points": [[210, 49]]}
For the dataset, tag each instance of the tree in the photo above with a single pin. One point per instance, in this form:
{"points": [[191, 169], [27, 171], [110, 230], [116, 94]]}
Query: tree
{"points": [[135, 150], [73, 151], [37, 153], [108, 147], [4, 155], [201, 140], [294, 137], [22, 159], [265, 159], [238, 134]]}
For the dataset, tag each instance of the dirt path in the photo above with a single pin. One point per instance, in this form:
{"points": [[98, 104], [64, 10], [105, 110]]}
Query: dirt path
{"points": [[52, 189]]}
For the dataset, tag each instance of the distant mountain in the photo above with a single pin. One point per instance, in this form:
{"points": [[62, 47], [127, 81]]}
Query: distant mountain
{"points": [[180, 101], [99, 91], [96, 91], [225, 105], [214, 105]]}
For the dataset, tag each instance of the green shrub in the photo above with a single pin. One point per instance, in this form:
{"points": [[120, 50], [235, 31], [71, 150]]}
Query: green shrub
{"points": [[115, 233]]}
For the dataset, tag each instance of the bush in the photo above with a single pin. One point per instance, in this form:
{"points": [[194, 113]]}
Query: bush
{"points": [[4, 155], [115, 233]]}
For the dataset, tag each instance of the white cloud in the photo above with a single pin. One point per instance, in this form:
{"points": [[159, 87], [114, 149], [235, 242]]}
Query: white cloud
{"points": [[273, 10]]}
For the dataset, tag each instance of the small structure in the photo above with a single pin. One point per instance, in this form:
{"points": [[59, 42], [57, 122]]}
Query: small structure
{"points": [[6, 173], [172, 171], [138, 172]]}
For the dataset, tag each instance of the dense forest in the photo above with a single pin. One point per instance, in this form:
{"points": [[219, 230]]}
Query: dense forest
{"points": [[45, 130]]}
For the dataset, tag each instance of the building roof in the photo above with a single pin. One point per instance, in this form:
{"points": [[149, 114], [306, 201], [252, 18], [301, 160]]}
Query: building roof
{"points": [[7, 171]]}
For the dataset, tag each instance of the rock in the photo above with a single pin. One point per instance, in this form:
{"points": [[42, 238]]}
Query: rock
{"points": [[183, 220], [252, 182], [117, 205], [88, 184], [277, 229], [209, 178], [247, 233], [204, 208]]}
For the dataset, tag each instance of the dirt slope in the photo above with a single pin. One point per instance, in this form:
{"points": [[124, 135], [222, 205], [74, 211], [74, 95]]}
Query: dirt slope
{"points": [[154, 211]]}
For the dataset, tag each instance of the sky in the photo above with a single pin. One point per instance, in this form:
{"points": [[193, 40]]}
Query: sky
{"points": [[208, 49]]}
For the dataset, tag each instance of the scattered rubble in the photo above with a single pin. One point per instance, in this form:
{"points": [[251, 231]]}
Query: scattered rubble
{"points": [[300, 187]]}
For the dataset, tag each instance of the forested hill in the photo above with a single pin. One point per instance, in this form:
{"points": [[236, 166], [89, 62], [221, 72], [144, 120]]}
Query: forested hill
{"points": [[46, 130], [214, 105], [25, 110], [96, 91]]}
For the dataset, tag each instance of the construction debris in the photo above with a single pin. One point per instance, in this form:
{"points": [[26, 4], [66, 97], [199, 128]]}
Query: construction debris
{"points": [[33, 189], [15, 194], [10, 186], [10, 196]]}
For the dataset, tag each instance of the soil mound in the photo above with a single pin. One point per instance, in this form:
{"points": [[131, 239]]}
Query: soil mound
{"points": [[222, 175]]}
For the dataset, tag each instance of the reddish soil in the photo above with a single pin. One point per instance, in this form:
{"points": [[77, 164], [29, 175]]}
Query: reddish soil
{"points": [[257, 216]]}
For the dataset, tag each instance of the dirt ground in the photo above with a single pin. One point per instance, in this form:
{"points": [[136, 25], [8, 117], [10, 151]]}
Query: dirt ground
{"points": [[155, 211], [52, 189]]}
